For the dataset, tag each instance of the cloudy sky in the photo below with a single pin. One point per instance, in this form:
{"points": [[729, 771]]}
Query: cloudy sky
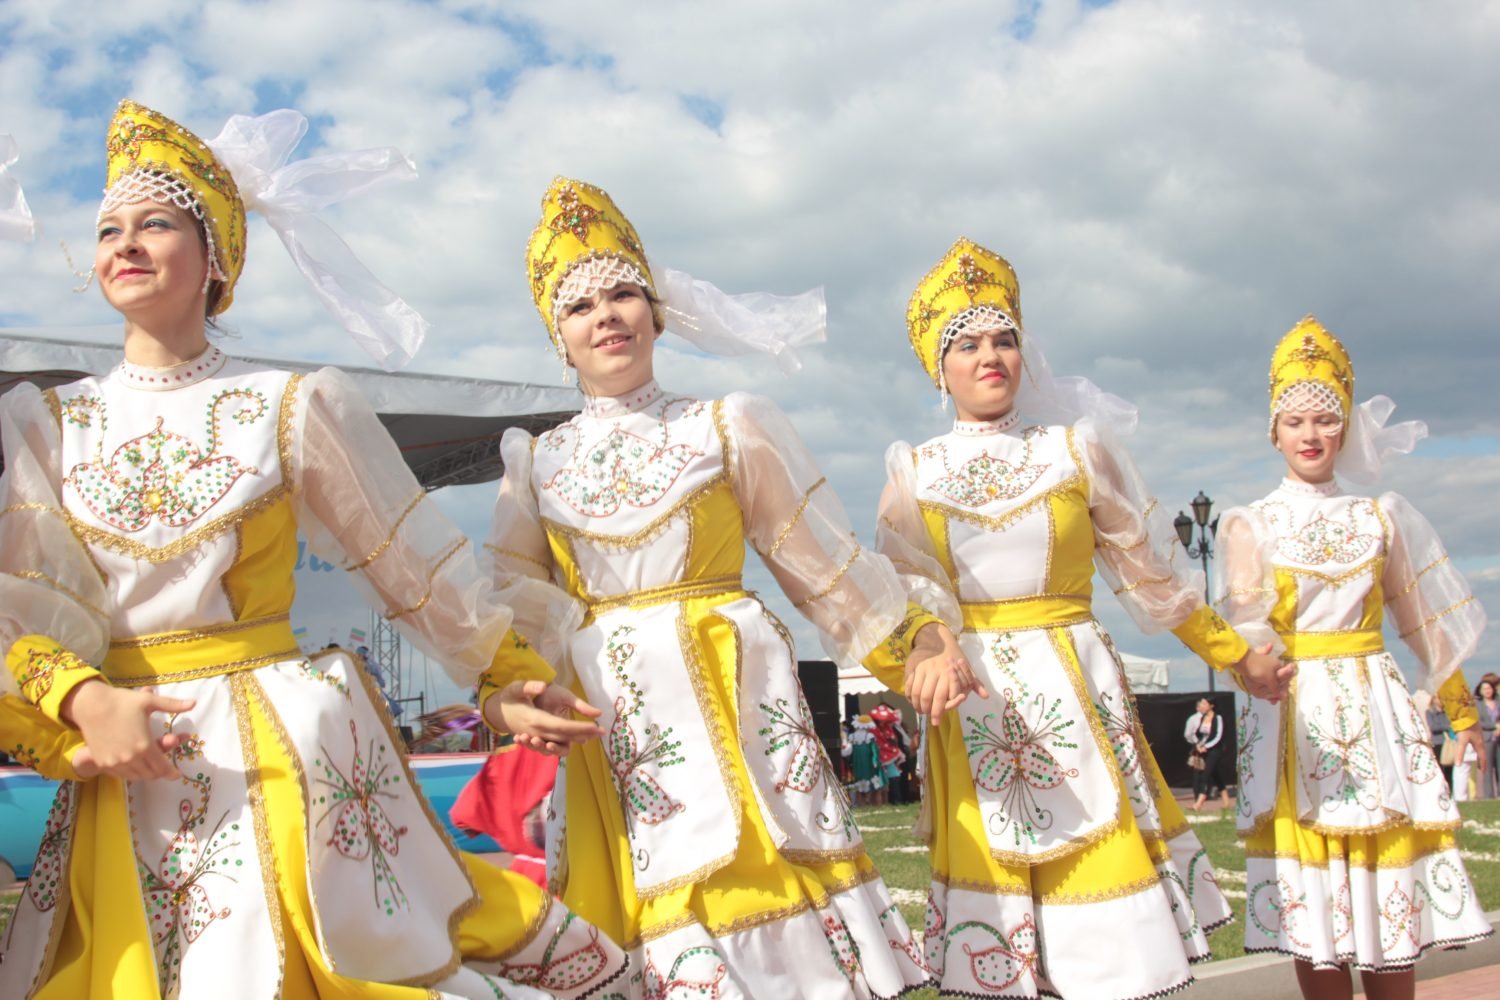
{"points": [[1176, 184]]}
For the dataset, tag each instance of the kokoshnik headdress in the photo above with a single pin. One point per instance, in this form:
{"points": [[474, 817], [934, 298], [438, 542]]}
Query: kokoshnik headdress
{"points": [[15, 216], [1311, 371], [585, 244], [244, 168], [975, 290]]}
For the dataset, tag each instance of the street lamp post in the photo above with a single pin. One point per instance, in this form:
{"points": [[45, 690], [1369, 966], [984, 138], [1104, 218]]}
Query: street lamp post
{"points": [[1203, 549]]}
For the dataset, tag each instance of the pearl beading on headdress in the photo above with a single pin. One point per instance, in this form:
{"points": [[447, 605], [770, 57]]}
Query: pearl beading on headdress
{"points": [[146, 184], [976, 319], [1309, 395], [590, 276]]}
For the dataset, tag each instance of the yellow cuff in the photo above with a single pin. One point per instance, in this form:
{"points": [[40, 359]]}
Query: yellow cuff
{"points": [[46, 673], [37, 742], [887, 661], [1209, 636]]}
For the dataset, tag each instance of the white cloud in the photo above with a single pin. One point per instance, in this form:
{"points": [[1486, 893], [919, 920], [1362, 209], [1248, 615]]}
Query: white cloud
{"points": [[1176, 184]]}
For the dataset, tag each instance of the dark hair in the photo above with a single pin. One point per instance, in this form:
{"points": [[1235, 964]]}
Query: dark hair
{"points": [[658, 311]]}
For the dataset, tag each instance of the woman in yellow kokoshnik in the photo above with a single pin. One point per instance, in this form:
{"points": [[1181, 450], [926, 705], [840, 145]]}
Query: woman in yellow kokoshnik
{"points": [[1348, 823], [148, 533], [707, 831], [1051, 828]]}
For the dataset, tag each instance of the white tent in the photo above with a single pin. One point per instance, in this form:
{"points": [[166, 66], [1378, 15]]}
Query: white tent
{"points": [[448, 427]]}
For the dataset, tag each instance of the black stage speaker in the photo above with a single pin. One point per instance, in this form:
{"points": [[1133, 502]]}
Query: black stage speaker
{"points": [[1165, 716], [820, 686]]}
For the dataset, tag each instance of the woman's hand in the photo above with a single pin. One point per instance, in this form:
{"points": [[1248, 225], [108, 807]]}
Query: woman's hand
{"points": [[87, 767], [539, 715], [938, 676], [1265, 676], [116, 726]]}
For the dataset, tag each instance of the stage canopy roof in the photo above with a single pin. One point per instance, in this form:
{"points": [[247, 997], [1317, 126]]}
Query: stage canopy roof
{"points": [[448, 427]]}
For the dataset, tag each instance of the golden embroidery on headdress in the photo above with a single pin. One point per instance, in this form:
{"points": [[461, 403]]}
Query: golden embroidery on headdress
{"points": [[968, 276]]}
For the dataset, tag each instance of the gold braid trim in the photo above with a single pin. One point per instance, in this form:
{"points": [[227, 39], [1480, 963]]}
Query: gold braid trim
{"points": [[1441, 614], [1118, 892], [61, 588], [1421, 573], [1002, 521], [797, 516], [49, 396], [1338, 579], [828, 589], [431, 576], [239, 693], [105, 540], [194, 634], [390, 537], [534, 928], [284, 429], [637, 538], [513, 554]]}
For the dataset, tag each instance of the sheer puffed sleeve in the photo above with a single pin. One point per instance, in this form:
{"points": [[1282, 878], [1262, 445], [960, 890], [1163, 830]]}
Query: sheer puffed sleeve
{"points": [[1136, 551], [902, 537], [53, 622], [35, 741], [796, 523], [520, 562], [361, 508], [1246, 577], [1431, 605]]}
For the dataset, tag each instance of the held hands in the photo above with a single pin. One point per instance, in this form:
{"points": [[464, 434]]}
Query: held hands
{"points": [[539, 715], [116, 726], [938, 677], [1265, 676]]}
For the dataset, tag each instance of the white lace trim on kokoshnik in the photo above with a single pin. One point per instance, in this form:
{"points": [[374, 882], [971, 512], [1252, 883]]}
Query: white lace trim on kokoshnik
{"points": [[975, 319], [146, 184], [591, 276]]}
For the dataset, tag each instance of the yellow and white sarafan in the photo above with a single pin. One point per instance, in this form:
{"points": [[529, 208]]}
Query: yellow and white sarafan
{"points": [[1347, 820], [1051, 827], [707, 831], [149, 523]]}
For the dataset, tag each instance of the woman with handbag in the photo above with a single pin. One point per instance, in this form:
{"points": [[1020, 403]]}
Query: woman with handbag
{"points": [[1205, 731]]}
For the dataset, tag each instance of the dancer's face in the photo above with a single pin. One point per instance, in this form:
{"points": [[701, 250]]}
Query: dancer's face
{"points": [[610, 338], [150, 258], [1204, 705], [983, 371], [1309, 441]]}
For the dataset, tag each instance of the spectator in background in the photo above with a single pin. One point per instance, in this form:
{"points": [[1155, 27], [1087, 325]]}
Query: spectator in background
{"points": [[1205, 731], [1487, 699]]}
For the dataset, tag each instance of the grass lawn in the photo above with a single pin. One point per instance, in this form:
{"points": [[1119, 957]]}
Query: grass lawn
{"points": [[903, 863]]}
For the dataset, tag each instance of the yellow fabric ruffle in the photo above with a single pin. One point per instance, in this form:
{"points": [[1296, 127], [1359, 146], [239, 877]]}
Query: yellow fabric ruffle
{"points": [[35, 741]]}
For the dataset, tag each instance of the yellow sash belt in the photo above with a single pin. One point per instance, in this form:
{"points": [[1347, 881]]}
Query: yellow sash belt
{"points": [[202, 652], [1324, 645], [1045, 611], [686, 590]]}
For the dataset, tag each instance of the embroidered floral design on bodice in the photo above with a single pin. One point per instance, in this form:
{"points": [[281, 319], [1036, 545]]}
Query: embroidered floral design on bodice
{"points": [[983, 478], [618, 467], [160, 475], [1341, 539]]}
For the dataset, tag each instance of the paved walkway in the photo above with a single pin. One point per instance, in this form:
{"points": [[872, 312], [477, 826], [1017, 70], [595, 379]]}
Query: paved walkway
{"points": [[1475, 984]]}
